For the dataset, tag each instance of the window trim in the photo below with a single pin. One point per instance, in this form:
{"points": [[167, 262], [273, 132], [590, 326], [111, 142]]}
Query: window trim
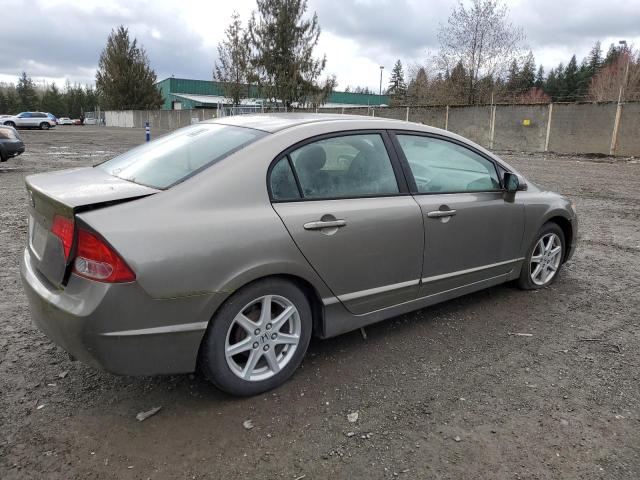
{"points": [[409, 174], [396, 165]]}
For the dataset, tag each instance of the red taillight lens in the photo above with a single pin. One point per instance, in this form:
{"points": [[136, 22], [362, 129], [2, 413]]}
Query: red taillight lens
{"points": [[63, 229], [97, 261]]}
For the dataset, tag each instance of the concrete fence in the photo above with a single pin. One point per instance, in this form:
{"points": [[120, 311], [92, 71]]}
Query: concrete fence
{"points": [[599, 128]]}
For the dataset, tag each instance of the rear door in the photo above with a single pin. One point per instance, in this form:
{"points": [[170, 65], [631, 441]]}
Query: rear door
{"points": [[345, 202], [473, 231]]}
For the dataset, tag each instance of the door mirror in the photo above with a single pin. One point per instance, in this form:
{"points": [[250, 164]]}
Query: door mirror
{"points": [[511, 182]]}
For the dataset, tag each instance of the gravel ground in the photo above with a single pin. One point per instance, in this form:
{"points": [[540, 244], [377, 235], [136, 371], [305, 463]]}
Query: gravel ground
{"points": [[445, 392]]}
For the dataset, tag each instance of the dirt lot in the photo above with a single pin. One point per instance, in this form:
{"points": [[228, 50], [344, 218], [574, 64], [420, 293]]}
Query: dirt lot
{"points": [[445, 392]]}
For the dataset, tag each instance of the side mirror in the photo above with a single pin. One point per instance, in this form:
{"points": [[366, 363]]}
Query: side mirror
{"points": [[511, 182]]}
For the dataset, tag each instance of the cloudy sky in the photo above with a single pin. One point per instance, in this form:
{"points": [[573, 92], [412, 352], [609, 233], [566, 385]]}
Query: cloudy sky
{"points": [[53, 40]]}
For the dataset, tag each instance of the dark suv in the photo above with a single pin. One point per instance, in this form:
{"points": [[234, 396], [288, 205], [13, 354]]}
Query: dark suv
{"points": [[10, 143]]}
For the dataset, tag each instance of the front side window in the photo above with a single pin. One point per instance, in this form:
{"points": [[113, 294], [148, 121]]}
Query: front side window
{"points": [[439, 166], [345, 166], [174, 157]]}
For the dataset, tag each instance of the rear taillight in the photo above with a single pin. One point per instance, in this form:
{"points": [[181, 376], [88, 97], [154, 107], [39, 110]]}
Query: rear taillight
{"points": [[63, 229], [97, 261]]}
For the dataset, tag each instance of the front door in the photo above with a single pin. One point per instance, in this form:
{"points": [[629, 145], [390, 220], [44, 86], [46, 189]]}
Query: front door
{"points": [[473, 232], [358, 227]]}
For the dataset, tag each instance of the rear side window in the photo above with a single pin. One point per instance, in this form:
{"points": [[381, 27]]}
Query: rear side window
{"points": [[439, 166], [175, 157], [343, 167], [282, 182]]}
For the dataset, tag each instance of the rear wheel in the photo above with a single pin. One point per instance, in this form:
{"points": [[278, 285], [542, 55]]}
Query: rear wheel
{"points": [[10, 124], [544, 258], [3, 156], [45, 126], [258, 338]]}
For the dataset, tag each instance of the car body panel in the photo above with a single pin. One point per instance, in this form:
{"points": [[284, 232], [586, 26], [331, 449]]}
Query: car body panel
{"points": [[12, 146], [193, 245]]}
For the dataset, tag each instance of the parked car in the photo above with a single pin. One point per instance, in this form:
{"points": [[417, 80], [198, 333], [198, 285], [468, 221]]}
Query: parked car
{"points": [[11, 144], [65, 121], [39, 120], [228, 243]]}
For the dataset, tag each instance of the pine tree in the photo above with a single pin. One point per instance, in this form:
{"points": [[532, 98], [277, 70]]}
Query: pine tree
{"points": [[539, 83], [418, 88], [283, 42], [571, 80], [594, 59], [528, 73], [233, 67], [397, 87], [513, 80], [53, 102], [124, 78], [26, 93]]}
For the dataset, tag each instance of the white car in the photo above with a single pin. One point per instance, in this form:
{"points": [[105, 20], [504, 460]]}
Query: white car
{"points": [[65, 121], [30, 120]]}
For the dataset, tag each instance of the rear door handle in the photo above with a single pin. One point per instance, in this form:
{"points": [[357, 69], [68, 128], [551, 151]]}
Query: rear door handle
{"points": [[441, 213], [325, 224]]}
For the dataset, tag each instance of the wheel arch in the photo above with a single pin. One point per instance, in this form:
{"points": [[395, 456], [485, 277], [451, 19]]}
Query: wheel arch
{"points": [[567, 229]]}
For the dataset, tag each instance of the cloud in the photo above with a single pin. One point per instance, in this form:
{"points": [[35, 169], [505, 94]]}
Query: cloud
{"points": [[57, 39]]}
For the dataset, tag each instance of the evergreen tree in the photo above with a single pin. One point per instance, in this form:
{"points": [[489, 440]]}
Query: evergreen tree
{"points": [[397, 87], [283, 42], [3, 103], [528, 73], [418, 88], [513, 80], [594, 59], [539, 83], [53, 102], [571, 79], [612, 56], [26, 93], [233, 67], [124, 78]]}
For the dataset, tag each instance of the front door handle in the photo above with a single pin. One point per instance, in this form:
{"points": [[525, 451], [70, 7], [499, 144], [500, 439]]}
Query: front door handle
{"points": [[325, 224], [441, 213]]}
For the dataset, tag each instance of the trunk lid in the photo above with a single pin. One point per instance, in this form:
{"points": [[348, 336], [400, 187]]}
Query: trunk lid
{"points": [[66, 193]]}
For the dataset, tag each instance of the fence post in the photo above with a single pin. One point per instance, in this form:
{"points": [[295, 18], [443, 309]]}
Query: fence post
{"points": [[446, 118], [342, 110], [373, 112], [546, 142], [406, 118], [616, 126], [493, 125]]}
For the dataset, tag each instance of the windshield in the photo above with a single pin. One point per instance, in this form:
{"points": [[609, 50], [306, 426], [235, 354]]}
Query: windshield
{"points": [[177, 156]]}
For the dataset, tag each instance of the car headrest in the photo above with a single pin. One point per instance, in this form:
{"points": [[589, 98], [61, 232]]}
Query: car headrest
{"points": [[312, 159]]}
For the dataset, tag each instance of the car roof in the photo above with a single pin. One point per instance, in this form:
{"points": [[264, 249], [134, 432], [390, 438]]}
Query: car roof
{"points": [[274, 122]]}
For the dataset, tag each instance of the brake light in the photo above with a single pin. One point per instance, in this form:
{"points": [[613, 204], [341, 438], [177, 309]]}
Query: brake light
{"points": [[63, 229], [97, 261]]}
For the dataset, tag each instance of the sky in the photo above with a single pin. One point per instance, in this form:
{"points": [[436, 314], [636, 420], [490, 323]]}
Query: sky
{"points": [[55, 40]]}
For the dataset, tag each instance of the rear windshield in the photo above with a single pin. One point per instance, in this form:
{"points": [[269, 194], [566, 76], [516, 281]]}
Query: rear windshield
{"points": [[175, 157]]}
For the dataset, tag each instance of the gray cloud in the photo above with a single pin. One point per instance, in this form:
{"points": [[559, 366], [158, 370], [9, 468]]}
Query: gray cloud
{"points": [[66, 41]]}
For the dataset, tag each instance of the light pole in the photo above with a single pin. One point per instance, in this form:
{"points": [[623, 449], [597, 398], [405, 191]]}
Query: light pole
{"points": [[380, 91], [623, 47]]}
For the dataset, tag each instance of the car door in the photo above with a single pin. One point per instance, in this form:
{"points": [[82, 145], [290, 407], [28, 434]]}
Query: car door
{"points": [[345, 202], [473, 231], [24, 119]]}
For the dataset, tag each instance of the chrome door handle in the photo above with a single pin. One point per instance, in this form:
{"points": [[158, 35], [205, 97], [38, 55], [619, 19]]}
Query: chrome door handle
{"points": [[441, 213], [325, 224]]}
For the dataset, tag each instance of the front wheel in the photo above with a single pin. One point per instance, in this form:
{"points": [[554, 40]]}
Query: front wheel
{"points": [[44, 126], [544, 258], [258, 338], [10, 124]]}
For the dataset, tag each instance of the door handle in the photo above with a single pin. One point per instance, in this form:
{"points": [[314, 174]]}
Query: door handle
{"points": [[325, 224], [441, 213]]}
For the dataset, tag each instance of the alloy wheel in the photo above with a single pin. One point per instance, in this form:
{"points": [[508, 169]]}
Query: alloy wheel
{"points": [[545, 259], [262, 338]]}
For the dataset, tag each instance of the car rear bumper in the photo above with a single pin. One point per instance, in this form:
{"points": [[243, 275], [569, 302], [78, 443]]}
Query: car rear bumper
{"points": [[12, 148], [119, 327]]}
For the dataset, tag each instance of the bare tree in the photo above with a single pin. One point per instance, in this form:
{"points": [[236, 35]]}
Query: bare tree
{"points": [[481, 39], [605, 85], [233, 67]]}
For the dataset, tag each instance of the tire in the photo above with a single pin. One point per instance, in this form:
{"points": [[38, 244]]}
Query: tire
{"points": [[45, 126], [3, 156], [551, 262], [278, 356], [10, 124]]}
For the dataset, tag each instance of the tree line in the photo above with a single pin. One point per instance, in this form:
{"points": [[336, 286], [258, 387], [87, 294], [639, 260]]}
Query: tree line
{"points": [[481, 60], [71, 100]]}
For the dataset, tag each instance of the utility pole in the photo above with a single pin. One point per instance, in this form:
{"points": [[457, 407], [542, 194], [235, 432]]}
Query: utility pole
{"points": [[380, 91], [626, 71], [616, 121]]}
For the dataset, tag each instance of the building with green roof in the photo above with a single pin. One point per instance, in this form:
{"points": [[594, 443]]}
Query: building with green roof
{"points": [[183, 93]]}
